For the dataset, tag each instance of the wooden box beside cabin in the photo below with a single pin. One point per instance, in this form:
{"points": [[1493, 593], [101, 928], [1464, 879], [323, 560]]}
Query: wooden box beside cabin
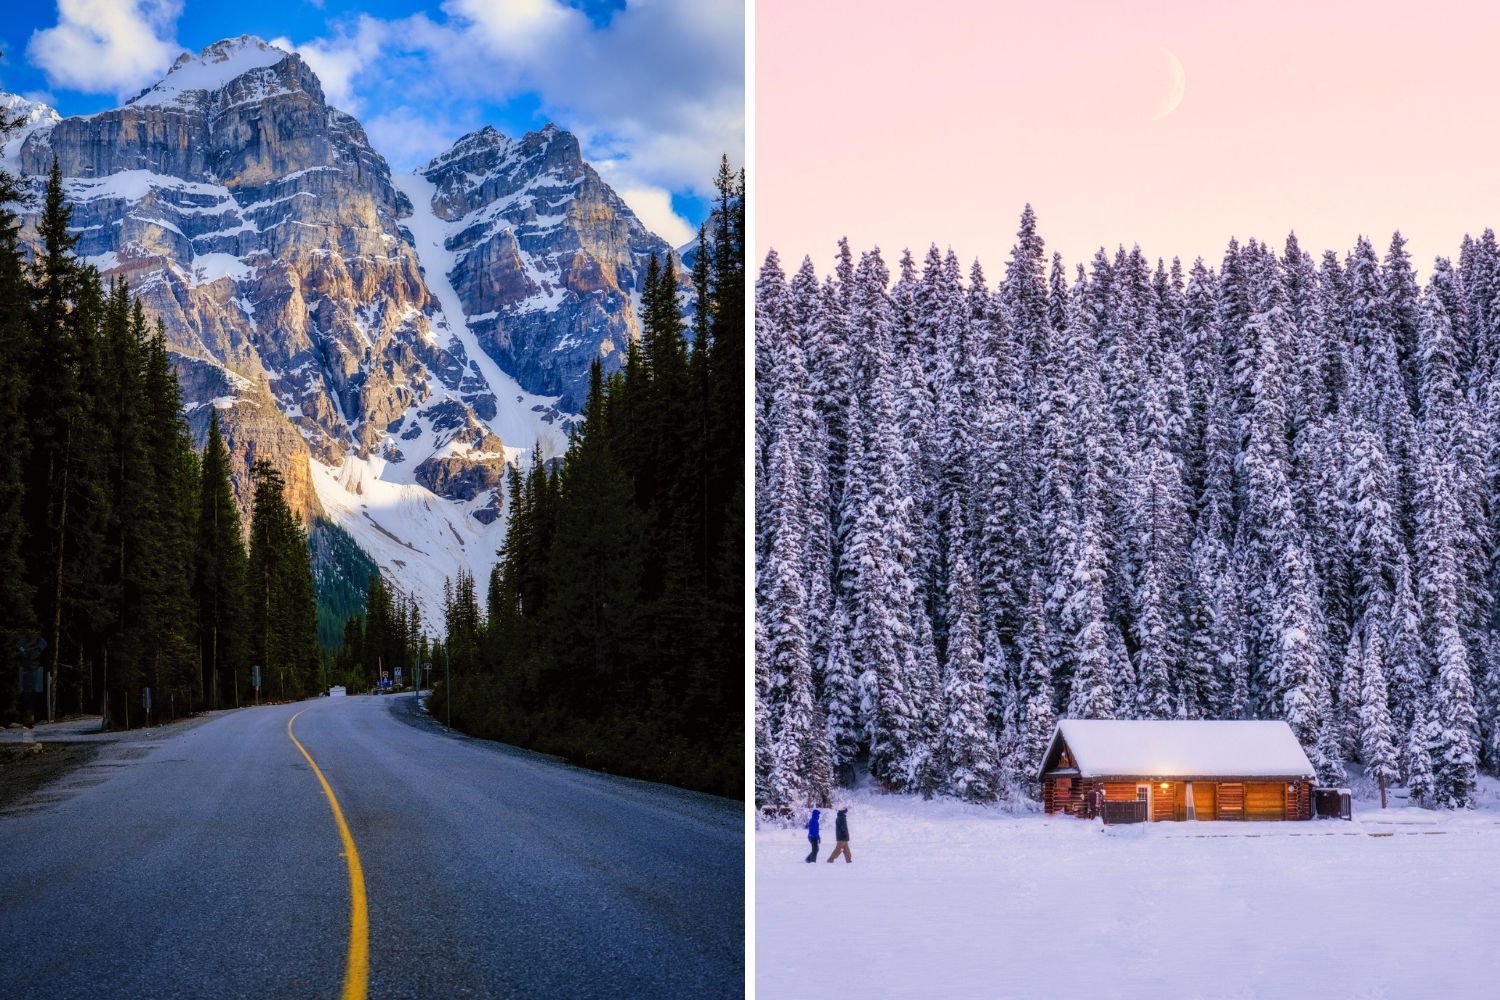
{"points": [[1199, 770]]}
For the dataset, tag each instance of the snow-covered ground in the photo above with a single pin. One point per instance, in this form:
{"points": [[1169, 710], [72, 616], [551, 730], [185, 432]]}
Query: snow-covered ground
{"points": [[417, 538], [950, 900]]}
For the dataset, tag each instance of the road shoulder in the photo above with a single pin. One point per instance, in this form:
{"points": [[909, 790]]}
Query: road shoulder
{"points": [[27, 768]]}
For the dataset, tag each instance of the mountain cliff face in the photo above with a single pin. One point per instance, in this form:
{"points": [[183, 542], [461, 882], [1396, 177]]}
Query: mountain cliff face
{"points": [[391, 342], [547, 260]]}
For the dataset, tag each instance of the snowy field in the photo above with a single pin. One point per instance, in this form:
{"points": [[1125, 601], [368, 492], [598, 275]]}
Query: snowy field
{"points": [[949, 900]]}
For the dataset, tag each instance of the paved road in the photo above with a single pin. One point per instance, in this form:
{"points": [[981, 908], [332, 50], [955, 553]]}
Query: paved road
{"points": [[206, 862]]}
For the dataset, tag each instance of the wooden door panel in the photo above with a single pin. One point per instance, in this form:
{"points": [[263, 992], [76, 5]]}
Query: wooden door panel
{"points": [[1265, 800], [1205, 802]]}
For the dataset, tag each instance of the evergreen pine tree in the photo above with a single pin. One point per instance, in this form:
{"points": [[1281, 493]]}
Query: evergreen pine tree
{"points": [[17, 617], [1376, 739], [967, 751]]}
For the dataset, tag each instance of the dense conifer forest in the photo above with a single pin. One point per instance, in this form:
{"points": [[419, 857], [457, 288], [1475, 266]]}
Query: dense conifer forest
{"points": [[123, 560], [1266, 489], [614, 629]]}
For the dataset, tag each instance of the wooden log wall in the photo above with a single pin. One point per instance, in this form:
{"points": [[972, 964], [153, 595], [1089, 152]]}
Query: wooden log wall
{"points": [[1229, 800], [1066, 795], [1299, 804], [1265, 800]]}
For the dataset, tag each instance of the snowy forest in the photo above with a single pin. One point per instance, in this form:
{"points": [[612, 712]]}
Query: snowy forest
{"points": [[1266, 489]]}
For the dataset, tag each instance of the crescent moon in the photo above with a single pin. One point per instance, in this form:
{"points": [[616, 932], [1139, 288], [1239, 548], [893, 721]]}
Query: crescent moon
{"points": [[1179, 86]]}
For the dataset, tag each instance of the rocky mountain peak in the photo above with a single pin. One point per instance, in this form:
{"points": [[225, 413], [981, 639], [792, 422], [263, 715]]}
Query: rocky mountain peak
{"points": [[245, 67], [391, 342], [33, 116], [547, 260]]}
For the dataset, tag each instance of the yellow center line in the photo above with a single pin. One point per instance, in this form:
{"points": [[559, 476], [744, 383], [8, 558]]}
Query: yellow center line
{"points": [[357, 969]]}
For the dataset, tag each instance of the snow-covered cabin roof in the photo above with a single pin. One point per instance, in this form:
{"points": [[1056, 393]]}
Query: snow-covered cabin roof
{"points": [[1105, 748]]}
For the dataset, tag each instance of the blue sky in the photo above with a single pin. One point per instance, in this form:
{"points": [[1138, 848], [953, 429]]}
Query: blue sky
{"points": [[653, 88]]}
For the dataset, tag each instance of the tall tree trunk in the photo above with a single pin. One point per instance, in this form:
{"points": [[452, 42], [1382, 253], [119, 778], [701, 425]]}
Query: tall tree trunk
{"points": [[57, 588], [104, 702]]}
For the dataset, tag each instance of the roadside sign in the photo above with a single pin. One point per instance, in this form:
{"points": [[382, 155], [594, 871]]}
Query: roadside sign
{"points": [[255, 672], [398, 676], [146, 698]]}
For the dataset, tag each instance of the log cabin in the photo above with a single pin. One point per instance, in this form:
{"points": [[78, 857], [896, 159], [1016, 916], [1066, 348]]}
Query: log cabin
{"points": [[1181, 770]]}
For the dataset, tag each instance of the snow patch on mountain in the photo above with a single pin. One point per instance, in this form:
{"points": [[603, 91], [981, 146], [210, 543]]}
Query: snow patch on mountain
{"points": [[133, 185], [523, 419], [418, 539], [209, 267], [211, 70], [34, 116]]}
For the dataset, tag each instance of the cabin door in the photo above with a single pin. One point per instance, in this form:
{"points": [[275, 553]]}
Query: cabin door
{"points": [[1143, 794], [1204, 799]]}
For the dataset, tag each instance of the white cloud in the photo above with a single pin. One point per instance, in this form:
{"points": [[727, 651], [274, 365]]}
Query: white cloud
{"points": [[338, 60], [107, 46], [654, 207], [409, 138], [517, 28], [655, 96]]}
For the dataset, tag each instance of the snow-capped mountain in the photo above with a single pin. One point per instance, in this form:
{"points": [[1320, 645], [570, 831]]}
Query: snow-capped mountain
{"points": [[547, 261], [389, 341]]}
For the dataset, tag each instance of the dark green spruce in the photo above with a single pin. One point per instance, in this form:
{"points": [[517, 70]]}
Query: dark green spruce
{"points": [[282, 605], [122, 560], [614, 634]]}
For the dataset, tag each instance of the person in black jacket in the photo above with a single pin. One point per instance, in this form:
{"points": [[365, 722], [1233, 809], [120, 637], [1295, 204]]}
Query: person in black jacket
{"points": [[812, 837], [841, 837]]}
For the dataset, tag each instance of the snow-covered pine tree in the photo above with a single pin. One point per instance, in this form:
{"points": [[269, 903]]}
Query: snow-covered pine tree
{"points": [[1349, 706], [878, 543], [1037, 719], [763, 744], [1402, 312], [1373, 540], [817, 761], [1214, 670], [1377, 748], [1376, 359], [1084, 617], [841, 698], [818, 557], [771, 316], [966, 744], [1421, 785], [789, 649], [1455, 763], [1155, 570], [1405, 656]]}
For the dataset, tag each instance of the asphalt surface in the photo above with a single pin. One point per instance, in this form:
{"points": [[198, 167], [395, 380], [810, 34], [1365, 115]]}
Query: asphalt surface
{"points": [[204, 861]]}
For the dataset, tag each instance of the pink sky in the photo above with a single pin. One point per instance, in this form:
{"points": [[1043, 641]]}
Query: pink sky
{"points": [[904, 124]]}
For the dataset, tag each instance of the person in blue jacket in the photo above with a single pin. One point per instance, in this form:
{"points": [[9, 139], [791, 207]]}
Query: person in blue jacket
{"points": [[812, 836]]}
